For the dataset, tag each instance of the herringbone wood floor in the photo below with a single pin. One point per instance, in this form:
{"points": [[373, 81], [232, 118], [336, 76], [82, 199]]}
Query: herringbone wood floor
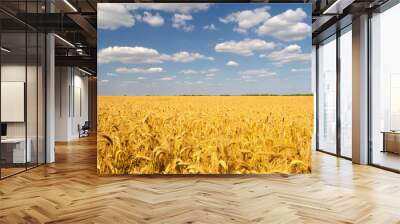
{"points": [[70, 191]]}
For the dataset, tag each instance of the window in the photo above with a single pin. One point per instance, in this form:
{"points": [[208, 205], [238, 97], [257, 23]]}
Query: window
{"points": [[385, 89], [346, 92], [327, 95]]}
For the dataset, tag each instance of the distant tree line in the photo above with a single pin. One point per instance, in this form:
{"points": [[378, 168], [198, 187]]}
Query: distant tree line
{"points": [[247, 94], [253, 94]]}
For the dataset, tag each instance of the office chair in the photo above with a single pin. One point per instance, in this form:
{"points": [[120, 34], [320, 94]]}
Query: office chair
{"points": [[84, 130]]}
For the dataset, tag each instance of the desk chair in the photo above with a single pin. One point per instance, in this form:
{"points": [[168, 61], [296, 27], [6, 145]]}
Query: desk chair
{"points": [[84, 130]]}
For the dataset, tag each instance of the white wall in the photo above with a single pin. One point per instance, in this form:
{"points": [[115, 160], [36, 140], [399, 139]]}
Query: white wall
{"points": [[14, 72], [62, 81], [70, 83], [33, 127], [80, 115], [17, 73]]}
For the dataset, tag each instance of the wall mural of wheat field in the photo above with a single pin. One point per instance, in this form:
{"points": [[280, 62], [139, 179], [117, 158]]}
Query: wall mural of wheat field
{"points": [[204, 88]]}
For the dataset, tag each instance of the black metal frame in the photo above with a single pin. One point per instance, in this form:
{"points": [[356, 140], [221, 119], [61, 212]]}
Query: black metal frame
{"points": [[316, 97], [369, 90], [44, 70], [338, 76], [0, 86]]}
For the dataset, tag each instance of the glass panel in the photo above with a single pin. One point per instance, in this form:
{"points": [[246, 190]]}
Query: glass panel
{"points": [[32, 88], [31, 98], [13, 86], [327, 96], [346, 92], [22, 88], [41, 99], [385, 84], [314, 90]]}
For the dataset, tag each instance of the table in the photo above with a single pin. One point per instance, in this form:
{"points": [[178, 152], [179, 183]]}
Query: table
{"points": [[391, 141], [13, 150]]}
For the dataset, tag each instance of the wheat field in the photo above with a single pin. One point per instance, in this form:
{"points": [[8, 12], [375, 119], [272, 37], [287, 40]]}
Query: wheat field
{"points": [[204, 134]]}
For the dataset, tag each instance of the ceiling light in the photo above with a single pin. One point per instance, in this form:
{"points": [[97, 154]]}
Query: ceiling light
{"points": [[5, 50], [70, 5], [337, 7], [331, 7], [86, 72], [64, 40]]}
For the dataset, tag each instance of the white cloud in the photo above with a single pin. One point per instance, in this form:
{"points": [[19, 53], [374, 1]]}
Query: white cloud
{"points": [[250, 80], [300, 69], [179, 21], [112, 16], [210, 27], [210, 75], [203, 72], [287, 26], [132, 55], [211, 70], [232, 63], [167, 78], [246, 19], [111, 74], [189, 72], [184, 8], [257, 72], [152, 20], [291, 53], [185, 57], [151, 70], [128, 83], [246, 77], [245, 47], [105, 80], [141, 78]]}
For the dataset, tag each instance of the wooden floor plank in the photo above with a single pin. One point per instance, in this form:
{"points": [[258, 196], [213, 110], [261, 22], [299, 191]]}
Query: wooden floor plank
{"points": [[70, 191]]}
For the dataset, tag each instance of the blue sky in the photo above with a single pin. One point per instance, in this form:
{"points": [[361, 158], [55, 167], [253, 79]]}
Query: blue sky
{"points": [[173, 49]]}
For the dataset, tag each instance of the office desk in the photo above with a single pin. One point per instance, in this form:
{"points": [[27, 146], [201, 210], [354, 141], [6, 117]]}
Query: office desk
{"points": [[391, 141], [13, 150]]}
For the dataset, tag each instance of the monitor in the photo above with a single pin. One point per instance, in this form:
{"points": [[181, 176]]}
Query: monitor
{"points": [[3, 129]]}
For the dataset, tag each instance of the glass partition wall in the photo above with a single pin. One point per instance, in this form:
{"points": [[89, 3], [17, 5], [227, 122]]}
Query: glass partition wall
{"points": [[385, 89], [22, 77], [334, 93]]}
